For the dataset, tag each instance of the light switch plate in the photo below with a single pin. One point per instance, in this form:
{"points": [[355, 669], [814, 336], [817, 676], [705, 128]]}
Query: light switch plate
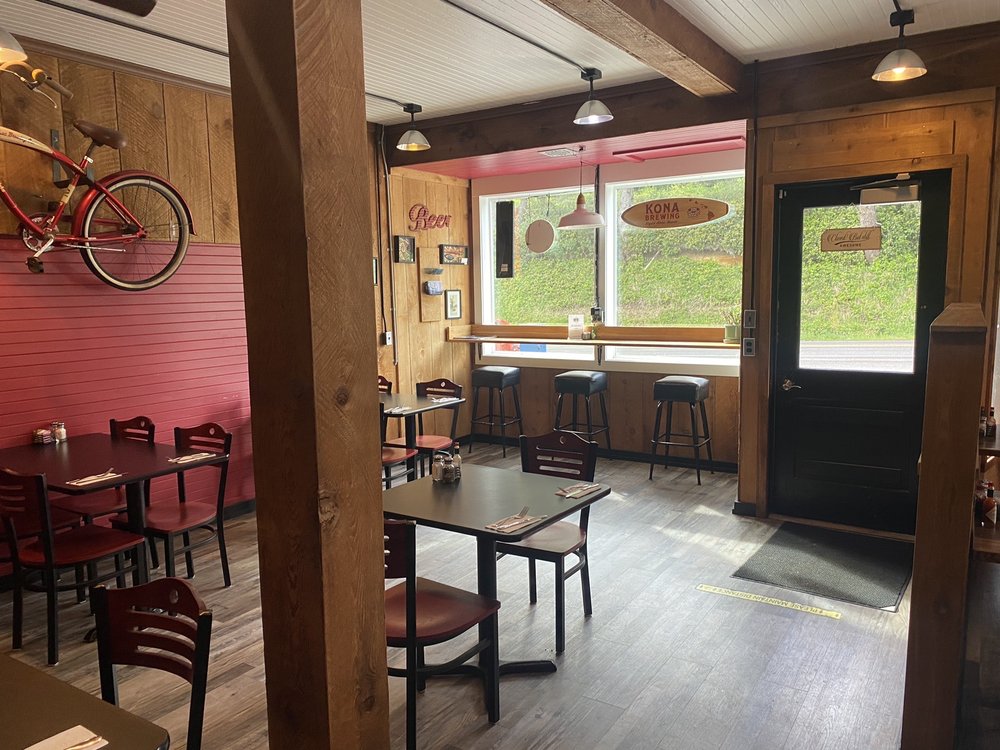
{"points": [[749, 318]]}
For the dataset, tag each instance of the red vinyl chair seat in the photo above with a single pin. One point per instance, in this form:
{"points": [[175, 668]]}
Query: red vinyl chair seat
{"points": [[92, 504], [168, 518], [443, 612], [427, 443], [392, 455], [560, 538], [81, 545]]}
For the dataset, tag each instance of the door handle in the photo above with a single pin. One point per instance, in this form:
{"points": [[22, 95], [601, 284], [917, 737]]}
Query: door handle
{"points": [[788, 385]]}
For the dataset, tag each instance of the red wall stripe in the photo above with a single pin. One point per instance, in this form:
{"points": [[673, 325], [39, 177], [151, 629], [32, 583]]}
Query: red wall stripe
{"points": [[77, 350]]}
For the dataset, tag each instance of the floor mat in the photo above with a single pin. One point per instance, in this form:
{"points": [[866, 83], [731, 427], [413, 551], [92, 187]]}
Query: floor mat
{"points": [[852, 568]]}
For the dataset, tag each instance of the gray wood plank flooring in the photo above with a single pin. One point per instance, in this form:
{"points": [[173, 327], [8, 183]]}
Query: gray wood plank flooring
{"points": [[660, 665]]}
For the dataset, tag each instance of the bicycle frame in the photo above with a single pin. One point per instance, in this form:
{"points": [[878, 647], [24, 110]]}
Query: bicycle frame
{"points": [[78, 172]]}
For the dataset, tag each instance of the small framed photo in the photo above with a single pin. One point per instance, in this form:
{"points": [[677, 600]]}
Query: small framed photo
{"points": [[452, 304], [405, 248], [454, 255]]}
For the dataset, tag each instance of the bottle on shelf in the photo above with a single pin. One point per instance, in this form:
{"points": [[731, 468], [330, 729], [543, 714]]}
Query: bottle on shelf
{"points": [[982, 421], [991, 424]]}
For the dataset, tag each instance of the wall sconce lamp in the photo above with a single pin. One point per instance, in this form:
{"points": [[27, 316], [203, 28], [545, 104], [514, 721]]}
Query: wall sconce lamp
{"points": [[413, 139], [593, 110], [901, 64]]}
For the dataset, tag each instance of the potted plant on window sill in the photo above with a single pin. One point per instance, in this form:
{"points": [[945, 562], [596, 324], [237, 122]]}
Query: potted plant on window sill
{"points": [[731, 333]]}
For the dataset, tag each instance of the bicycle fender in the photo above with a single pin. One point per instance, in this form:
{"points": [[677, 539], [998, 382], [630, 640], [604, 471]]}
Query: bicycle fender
{"points": [[93, 192]]}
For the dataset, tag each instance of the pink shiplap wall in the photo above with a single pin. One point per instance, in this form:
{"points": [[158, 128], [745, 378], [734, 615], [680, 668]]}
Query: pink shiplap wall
{"points": [[77, 350]]}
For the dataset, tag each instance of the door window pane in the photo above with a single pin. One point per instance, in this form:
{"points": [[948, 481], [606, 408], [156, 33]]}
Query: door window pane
{"points": [[859, 306]]}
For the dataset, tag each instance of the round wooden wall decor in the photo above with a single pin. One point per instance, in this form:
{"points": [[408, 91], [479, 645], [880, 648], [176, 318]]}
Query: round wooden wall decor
{"points": [[540, 236]]}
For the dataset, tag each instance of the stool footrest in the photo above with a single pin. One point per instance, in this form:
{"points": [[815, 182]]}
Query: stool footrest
{"points": [[572, 428], [687, 444], [497, 422]]}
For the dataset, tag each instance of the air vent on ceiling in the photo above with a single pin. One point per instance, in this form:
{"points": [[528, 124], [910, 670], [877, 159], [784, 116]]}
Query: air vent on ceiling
{"points": [[557, 152]]}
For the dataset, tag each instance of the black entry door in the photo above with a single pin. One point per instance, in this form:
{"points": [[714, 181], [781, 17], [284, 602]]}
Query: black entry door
{"points": [[851, 336]]}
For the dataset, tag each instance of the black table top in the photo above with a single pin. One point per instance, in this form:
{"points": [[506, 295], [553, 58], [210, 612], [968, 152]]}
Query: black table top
{"points": [[483, 495], [413, 404], [86, 455], [37, 705]]}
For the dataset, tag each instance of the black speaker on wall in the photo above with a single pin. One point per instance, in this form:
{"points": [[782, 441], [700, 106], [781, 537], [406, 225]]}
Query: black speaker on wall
{"points": [[504, 240]]}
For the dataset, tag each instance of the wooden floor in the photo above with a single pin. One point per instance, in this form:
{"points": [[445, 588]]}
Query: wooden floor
{"points": [[659, 665]]}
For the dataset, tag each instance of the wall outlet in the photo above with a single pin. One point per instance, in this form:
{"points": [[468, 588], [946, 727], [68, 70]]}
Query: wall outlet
{"points": [[387, 338], [749, 318], [749, 347]]}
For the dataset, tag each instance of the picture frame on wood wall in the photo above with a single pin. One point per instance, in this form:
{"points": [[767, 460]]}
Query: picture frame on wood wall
{"points": [[454, 255], [452, 304], [405, 248]]}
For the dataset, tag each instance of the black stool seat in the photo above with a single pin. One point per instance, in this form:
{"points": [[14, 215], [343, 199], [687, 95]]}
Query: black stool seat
{"points": [[583, 382], [680, 388], [501, 378], [496, 376]]}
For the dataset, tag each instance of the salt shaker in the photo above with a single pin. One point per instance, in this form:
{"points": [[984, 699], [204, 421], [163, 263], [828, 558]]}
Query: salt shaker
{"points": [[437, 468], [448, 473], [59, 431]]}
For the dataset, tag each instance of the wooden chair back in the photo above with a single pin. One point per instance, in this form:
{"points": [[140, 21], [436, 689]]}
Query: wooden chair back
{"points": [[137, 428], [205, 438], [24, 502], [559, 454], [384, 385], [441, 388], [162, 625]]}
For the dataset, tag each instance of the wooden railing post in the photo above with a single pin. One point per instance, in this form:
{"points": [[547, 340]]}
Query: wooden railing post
{"points": [[944, 528]]}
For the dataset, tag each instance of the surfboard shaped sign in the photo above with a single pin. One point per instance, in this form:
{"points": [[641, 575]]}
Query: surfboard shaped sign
{"points": [[670, 213]]}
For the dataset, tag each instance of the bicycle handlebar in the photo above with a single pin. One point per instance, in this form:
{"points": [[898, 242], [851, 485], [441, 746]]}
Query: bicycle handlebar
{"points": [[44, 79]]}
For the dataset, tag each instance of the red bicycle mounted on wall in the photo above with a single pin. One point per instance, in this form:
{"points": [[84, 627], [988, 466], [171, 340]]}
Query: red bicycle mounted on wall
{"points": [[131, 227]]}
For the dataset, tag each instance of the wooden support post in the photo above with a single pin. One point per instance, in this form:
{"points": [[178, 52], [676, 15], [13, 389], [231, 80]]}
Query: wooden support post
{"points": [[302, 172], [935, 648]]}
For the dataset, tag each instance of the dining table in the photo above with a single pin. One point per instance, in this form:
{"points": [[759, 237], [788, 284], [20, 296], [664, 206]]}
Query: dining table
{"points": [[408, 407], [36, 706], [483, 496], [124, 462]]}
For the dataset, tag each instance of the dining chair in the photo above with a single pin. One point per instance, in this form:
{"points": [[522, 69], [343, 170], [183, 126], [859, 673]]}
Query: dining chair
{"points": [[428, 444], [384, 385], [110, 502], [567, 455], [25, 510], [394, 457], [168, 520], [164, 625], [420, 613]]}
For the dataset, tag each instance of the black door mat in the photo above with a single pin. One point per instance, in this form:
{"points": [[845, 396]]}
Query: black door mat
{"points": [[851, 568]]}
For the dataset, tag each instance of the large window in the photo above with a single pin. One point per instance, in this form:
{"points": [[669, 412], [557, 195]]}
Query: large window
{"points": [[683, 277]]}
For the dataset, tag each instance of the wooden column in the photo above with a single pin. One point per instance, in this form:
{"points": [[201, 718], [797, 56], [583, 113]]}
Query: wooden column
{"points": [[935, 647], [299, 127]]}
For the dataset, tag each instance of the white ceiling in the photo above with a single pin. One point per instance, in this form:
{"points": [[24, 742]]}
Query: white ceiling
{"points": [[443, 59]]}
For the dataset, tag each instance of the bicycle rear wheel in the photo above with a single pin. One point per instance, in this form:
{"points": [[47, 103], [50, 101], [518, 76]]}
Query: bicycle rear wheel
{"points": [[147, 253]]}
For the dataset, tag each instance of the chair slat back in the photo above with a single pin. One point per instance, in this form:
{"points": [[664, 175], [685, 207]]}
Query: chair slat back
{"points": [[24, 502], [559, 454], [208, 438], [163, 625], [438, 388], [400, 548], [137, 428], [384, 385]]}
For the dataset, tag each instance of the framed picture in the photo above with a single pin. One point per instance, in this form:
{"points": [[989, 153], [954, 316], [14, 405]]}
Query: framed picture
{"points": [[452, 304], [454, 255], [405, 248]]}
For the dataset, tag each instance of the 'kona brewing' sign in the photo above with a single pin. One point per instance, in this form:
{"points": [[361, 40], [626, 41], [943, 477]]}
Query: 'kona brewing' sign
{"points": [[669, 213]]}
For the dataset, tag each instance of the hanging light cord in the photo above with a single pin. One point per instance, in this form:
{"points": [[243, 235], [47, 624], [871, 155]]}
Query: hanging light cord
{"points": [[388, 99], [513, 33]]}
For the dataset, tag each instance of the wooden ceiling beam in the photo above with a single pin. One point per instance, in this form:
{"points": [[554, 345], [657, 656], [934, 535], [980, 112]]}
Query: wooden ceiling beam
{"points": [[660, 37]]}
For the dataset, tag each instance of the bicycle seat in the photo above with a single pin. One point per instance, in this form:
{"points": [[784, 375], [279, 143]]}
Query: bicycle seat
{"points": [[102, 135]]}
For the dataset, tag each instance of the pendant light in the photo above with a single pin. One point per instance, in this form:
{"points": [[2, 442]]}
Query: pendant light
{"points": [[581, 217], [412, 139], [593, 111], [901, 64], [10, 49]]}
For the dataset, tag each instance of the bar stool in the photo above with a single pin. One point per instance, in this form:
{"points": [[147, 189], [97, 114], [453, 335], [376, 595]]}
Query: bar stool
{"points": [[584, 383], [499, 378], [682, 389]]}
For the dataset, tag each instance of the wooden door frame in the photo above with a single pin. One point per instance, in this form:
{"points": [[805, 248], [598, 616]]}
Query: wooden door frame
{"points": [[756, 373]]}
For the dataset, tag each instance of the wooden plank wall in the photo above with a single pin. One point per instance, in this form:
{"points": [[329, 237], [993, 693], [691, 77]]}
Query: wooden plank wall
{"points": [[181, 133], [423, 353], [953, 131], [77, 350]]}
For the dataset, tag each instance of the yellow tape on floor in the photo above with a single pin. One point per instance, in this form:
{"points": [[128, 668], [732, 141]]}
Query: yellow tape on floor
{"points": [[768, 600]]}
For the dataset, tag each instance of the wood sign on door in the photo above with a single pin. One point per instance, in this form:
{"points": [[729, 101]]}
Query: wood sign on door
{"points": [[670, 213], [860, 238]]}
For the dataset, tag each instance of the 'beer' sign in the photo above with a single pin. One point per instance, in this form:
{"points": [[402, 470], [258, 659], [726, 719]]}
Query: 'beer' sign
{"points": [[669, 213]]}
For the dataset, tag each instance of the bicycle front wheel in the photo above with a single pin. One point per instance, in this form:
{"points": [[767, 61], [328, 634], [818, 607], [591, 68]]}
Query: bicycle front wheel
{"points": [[140, 254]]}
